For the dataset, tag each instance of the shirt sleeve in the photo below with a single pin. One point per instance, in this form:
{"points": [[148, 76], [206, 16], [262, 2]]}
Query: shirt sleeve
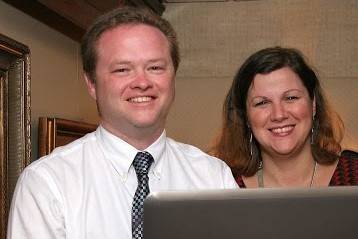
{"points": [[36, 211], [229, 181]]}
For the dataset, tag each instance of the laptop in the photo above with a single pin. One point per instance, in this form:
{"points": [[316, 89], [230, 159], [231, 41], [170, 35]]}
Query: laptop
{"points": [[276, 213]]}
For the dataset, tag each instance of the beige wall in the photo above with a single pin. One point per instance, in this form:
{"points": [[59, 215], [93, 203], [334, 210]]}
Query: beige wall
{"points": [[215, 38], [57, 89]]}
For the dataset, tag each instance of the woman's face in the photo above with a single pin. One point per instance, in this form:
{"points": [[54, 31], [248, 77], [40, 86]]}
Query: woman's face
{"points": [[280, 113]]}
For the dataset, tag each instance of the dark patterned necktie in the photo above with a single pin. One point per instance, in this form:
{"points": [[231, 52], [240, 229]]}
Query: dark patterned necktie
{"points": [[141, 164]]}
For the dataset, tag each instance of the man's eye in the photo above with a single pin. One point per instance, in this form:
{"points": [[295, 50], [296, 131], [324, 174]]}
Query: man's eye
{"points": [[120, 70], [156, 68]]}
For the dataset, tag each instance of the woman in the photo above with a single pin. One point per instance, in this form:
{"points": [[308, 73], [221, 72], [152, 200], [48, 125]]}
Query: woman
{"points": [[278, 130]]}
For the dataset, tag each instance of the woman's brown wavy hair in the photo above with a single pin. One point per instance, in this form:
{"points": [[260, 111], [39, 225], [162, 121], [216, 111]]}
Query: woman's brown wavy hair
{"points": [[233, 143]]}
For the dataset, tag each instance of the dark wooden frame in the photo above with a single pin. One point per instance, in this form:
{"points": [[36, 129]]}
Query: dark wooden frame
{"points": [[15, 120], [54, 132]]}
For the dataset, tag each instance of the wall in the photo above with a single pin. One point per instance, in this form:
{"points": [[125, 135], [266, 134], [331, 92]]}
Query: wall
{"points": [[216, 37], [57, 88]]}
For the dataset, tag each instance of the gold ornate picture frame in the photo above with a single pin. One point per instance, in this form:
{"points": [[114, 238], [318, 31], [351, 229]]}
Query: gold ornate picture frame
{"points": [[54, 132], [15, 120]]}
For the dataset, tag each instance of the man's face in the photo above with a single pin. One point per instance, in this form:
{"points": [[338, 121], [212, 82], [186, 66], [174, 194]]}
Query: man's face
{"points": [[134, 86]]}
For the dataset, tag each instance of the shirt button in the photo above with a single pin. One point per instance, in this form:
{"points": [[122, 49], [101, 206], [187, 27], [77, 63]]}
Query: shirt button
{"points": [[156, 174], [123, 177]]}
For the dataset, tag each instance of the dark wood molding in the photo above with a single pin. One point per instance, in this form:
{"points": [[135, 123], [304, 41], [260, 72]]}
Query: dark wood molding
{"points": [[155, 5], [49, 17], [13, 47], [72, 18]]}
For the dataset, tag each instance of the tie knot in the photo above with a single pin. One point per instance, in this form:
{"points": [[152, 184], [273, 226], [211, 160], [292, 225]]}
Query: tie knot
{"points": [[142, 162]]}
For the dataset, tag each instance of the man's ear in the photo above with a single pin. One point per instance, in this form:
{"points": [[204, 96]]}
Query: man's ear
{"points": [[91, 86]]}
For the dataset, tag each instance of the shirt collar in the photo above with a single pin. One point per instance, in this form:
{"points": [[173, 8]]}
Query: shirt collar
{"points": [[121, 154]]}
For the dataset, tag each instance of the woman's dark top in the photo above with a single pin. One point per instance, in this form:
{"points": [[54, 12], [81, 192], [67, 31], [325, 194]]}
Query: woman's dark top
{"points": [[346, 173]]}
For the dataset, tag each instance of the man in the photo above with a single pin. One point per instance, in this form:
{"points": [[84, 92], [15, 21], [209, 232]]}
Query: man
{"points": [[94, 187]]}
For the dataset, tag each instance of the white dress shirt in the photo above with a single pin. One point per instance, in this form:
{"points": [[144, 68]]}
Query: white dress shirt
{"points": [[85, 189]]}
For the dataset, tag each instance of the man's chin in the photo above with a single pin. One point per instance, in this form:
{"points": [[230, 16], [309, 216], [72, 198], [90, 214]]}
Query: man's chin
{"points": [[147, 125]]}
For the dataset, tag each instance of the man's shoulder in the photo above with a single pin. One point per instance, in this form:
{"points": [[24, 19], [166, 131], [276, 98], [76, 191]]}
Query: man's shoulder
{"points": [[191, 151], [211, 171], [70, 151]]}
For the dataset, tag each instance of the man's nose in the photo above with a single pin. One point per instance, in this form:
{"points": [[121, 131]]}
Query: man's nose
{"points": [[141, 80]]}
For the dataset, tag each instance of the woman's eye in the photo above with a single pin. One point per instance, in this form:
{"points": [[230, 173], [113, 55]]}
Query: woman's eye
{"points": [[292, 98], [260, 103]]}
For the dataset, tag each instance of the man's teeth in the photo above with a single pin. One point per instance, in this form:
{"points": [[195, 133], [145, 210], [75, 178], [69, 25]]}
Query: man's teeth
{"points": [[282, 130], [140, 99]]}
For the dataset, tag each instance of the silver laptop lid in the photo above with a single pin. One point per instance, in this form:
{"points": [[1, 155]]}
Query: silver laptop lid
{"points": [[327, 213]]}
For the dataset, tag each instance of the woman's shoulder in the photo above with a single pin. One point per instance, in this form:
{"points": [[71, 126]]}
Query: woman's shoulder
{"points": [[346, 172], [239, 180]]}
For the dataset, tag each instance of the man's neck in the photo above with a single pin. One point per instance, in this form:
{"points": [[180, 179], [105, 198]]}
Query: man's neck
{"points": [[139, 138]]}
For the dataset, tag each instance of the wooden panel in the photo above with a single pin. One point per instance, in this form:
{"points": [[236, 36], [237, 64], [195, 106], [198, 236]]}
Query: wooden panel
{"points": [[54, 132]]}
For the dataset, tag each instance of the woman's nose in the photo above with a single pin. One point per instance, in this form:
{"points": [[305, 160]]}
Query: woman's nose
{"points": [[278, 112]]}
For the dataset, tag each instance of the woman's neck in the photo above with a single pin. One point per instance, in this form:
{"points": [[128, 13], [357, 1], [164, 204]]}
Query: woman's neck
{"points": [[294, 171], [289, 171]]}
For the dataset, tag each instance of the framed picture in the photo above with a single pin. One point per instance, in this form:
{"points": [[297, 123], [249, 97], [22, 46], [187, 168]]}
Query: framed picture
{"points": [[15, 140], [54, 132]]}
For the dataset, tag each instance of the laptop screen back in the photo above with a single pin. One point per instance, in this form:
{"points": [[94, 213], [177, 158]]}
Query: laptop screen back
{"points": [[327, 213]]}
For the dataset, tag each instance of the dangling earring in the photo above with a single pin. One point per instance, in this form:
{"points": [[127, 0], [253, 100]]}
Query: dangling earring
{"points": [[312, 130], [251, 150]]}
